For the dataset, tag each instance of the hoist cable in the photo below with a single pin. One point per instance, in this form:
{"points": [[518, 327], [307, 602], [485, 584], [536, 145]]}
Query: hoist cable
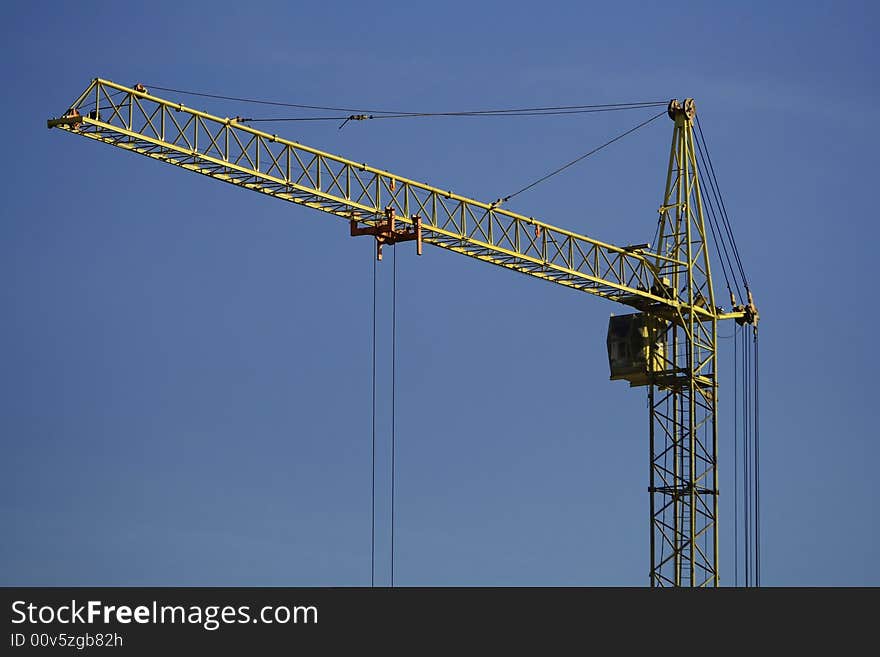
{"points": [[716, 190], [702, 149], [716, 228], [735, 459], [723, 207], [373, 471], [725, 217], [723, 252], [582, 157], [745, 462], [393, 395], [747, 458], [757, 472], [712, 224]]}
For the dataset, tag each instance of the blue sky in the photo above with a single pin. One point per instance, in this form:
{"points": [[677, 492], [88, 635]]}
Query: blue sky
{"points": [[185, 396]]}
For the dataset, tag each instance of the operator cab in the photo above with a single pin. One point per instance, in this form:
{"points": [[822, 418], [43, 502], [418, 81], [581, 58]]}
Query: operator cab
{"points": [[629, 347]]}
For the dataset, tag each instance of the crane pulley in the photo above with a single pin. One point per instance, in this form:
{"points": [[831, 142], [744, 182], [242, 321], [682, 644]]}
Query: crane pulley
{"points": [[388, 233], [669, 345]]}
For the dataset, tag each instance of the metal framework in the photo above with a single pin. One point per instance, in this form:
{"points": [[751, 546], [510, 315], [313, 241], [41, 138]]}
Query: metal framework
{"points": [[683, 395], [671, 284]]}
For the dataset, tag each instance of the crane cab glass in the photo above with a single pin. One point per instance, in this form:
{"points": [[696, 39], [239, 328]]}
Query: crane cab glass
{"points": [[628, 348]]}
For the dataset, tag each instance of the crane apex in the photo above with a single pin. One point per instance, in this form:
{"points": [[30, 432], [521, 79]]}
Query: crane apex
{"points": [[677, 108]]}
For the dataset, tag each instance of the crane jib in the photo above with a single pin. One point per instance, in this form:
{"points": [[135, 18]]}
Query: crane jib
{"points": [[223, 148]]}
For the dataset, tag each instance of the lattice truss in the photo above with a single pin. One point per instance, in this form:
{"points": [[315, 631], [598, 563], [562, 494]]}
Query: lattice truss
{"points": [[683, 397], [233, 152]]}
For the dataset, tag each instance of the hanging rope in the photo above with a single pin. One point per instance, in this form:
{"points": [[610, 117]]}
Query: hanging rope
{"points": [[393, 396], [757, 472], [735, 459], [393, 416], [373, 470], [746, 377], [749, 470], [746, 402]]}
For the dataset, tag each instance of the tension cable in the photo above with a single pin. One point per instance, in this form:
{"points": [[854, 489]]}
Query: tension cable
{"points": [[578, 159]]}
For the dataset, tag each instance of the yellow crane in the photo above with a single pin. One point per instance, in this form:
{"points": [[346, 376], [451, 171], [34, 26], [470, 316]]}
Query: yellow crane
{"points": [[668, 344]]}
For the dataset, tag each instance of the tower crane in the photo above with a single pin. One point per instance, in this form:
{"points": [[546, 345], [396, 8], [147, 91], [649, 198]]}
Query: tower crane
{"points": [[668, 344]]}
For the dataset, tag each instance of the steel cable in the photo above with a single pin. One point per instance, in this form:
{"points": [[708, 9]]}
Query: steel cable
{"points": [[400, 113], [582, 157], [416, 115], [735, 459], [393, 396], [716, 228], [373, 471], [757, 472], [724, 215]]}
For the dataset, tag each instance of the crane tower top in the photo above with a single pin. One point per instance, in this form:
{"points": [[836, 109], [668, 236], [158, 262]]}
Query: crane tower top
{"points": [[686, 108]]}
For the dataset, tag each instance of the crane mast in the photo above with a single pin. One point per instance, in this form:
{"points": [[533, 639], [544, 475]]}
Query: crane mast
{"points": [[668, 345], [683, 386]]}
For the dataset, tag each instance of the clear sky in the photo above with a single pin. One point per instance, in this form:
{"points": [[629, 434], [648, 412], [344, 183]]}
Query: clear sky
{"points": [[185, 389]]}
